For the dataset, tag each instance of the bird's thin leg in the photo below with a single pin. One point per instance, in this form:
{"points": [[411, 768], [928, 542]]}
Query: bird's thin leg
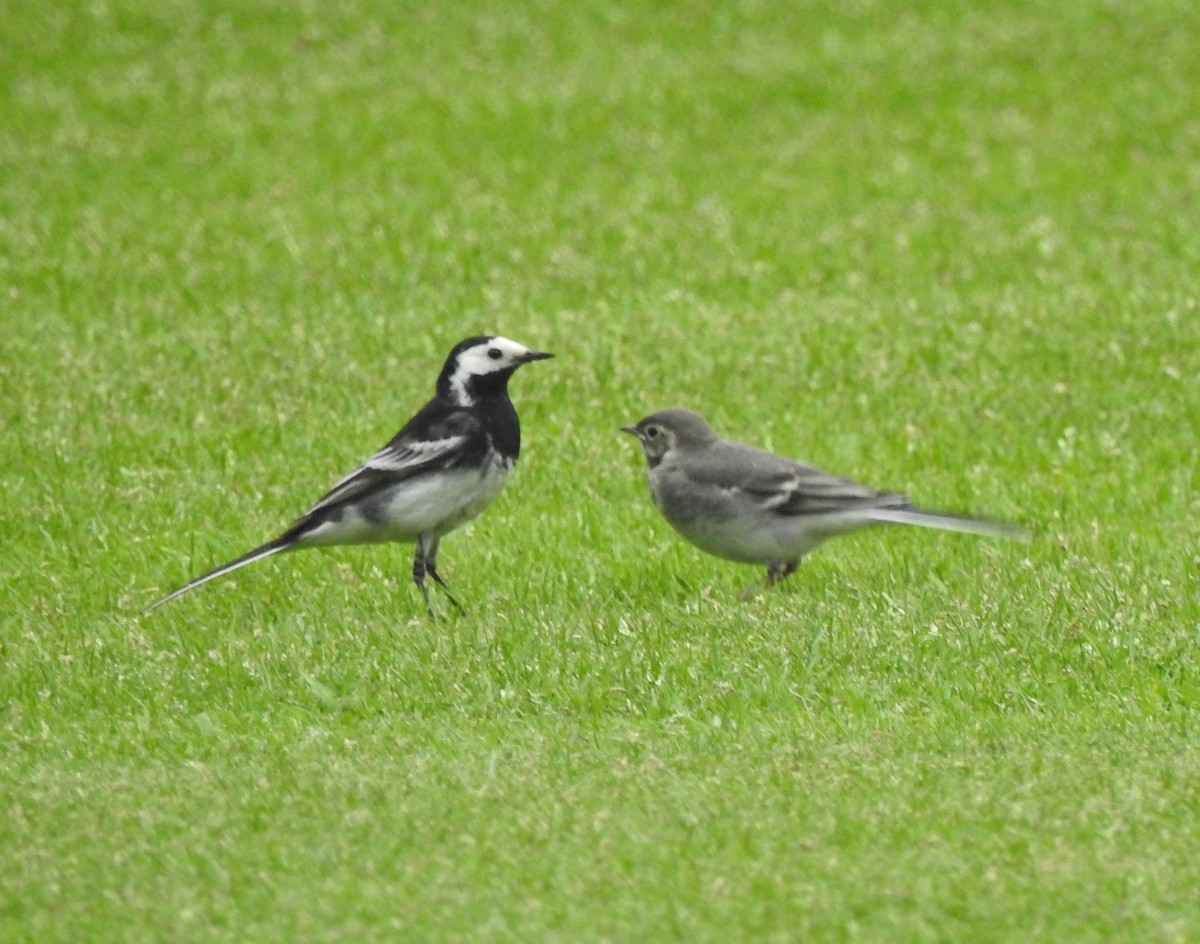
{"points": [[431, 567], [775, 573], [419, 570]]}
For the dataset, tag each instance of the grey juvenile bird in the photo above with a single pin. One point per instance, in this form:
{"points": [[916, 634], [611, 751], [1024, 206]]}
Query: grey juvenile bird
{"points": [[441, 470], [745, 504]]}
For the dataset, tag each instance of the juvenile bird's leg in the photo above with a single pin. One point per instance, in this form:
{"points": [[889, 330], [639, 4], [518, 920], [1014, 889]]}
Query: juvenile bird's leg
{"points": [[420, 568], [775, 573], [431, 568]]}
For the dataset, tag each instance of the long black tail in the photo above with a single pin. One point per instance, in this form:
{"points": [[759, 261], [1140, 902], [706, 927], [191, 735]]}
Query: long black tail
{"points": [[282, 543]]}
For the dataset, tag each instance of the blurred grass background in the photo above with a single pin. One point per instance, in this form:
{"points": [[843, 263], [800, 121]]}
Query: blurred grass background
{"points": [[942, 247]]}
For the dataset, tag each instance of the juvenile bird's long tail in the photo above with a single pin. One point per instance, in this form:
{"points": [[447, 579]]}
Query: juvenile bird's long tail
{"points": [[945, 522], [281, 543]]}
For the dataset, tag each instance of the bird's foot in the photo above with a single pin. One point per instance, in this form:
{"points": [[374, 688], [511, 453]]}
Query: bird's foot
{"points": [[754, 590], [446, 590]]}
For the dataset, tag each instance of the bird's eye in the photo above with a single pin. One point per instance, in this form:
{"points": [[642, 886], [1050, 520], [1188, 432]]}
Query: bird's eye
{"points": [[651, 432], [495, 353]]}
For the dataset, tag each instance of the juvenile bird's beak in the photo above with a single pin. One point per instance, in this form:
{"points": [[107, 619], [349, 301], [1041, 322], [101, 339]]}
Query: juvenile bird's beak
{"points": [[534, 356], [630, 429]]}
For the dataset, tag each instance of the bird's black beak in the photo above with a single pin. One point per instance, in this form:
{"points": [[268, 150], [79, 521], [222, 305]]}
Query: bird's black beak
{"points": [[534, 356], [631, 429]]}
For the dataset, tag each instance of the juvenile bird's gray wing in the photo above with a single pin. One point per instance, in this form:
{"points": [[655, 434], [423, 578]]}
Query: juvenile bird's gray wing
{"points": [[811, 491], [842, 502], [437, 443], [790, 489], [783, 486]]}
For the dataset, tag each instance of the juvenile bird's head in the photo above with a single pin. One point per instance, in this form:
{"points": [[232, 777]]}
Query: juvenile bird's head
{"points": [[667, 430], [480, 367]]}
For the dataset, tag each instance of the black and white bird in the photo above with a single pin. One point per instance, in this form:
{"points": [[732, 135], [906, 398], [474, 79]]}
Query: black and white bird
{"points": [[441, 470], [745, 504]]}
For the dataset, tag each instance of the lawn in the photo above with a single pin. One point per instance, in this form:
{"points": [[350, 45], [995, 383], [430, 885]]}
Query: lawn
{"points": [[945, 247]]}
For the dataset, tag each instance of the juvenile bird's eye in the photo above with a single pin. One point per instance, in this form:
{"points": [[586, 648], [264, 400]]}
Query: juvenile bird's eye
{"points": [[495, 353], [651, 432]]}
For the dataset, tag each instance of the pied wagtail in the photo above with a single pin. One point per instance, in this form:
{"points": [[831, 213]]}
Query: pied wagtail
{"points": [[441, 470], [745, 504]]}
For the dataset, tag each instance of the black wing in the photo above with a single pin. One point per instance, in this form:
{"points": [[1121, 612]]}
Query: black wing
{"points": [[439, 437]]}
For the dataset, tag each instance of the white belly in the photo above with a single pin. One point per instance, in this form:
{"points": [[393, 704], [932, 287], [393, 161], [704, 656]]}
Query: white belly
{"points": [[435, 504], [470, 500]]}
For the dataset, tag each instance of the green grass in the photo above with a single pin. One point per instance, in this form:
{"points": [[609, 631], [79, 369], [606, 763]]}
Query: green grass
{"points": [[946, 247]]}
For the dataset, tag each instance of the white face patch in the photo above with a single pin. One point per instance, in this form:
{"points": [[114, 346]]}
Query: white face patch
{"points": [[479, 361]]}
